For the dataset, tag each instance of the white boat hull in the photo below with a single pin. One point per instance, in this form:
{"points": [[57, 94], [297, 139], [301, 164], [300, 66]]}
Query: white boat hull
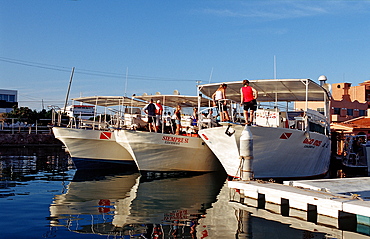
{"points": [[277, 152], [166, 152], [92, 144]]}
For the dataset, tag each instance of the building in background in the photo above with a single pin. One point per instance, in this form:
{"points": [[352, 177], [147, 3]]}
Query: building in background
{"points": [[347, 102], [8, 99]]}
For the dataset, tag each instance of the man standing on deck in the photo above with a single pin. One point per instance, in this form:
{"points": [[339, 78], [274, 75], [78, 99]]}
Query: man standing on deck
{"points": [[150, 109], [158, 114], [248, 96]]}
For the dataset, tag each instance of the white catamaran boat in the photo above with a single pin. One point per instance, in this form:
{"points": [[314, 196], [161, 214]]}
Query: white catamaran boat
{"points": [[91, 142], [286, 144], [168, 152]]}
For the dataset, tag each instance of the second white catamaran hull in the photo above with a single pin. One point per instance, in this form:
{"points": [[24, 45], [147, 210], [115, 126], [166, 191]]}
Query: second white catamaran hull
{"points": [[277, 152], [167, 153]]}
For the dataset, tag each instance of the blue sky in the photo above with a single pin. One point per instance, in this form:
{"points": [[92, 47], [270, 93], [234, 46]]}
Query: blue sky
{"points": [[161, 46]]}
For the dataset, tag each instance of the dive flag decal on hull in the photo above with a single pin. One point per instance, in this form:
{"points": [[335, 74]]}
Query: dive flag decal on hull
{"points": [[285, 135], [105, 135]]}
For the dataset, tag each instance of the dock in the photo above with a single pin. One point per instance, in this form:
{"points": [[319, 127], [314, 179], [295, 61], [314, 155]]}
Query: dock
{"points": [[335, 203]]}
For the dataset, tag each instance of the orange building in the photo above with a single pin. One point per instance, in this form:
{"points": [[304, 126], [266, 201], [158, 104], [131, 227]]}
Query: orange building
{"points": [[348, 101]]}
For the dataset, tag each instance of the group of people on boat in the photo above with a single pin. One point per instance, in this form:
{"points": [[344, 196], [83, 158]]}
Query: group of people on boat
{"points": [[248, 99], [155, 111], [248, 96]]}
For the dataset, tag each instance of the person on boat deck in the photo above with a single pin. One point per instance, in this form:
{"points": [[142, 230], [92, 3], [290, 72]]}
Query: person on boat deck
{"points": [[194, 117], [212, 120], [168, 122], [168, 118], [158, 114], [219, 100], [248, 96], [150, 109], [178, 119]]}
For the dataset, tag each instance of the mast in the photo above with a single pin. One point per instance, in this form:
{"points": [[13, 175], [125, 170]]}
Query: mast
{"points": [[69, 88], [126, 82]]}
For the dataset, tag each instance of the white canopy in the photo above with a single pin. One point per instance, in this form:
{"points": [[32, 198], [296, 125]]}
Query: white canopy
{"points": [[174, 100], [273, 90], [141, 101], [107, 101]]}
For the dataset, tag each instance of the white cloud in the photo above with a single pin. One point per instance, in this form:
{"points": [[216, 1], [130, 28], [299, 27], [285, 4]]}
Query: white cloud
{"points": [[273, 10]]}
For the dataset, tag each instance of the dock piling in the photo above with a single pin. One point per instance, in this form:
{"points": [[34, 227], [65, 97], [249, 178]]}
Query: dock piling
{"points": [[246, 154]]}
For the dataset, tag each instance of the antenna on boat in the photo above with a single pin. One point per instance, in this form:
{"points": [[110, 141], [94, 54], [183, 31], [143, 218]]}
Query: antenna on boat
{"points": [[126, 82], [69, 88], [274, 66], [210, 76]]}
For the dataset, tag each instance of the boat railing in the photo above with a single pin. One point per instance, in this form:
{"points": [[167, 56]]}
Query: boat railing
{"points": [[99, 122], [268, 116], [211, 116]]}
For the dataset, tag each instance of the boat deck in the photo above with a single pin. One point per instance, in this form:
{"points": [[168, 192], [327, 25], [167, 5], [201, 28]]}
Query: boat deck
{"points": [[347, 186]]}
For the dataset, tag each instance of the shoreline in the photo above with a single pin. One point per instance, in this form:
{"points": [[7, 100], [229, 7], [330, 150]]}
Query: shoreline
{"points": [[25, 139]]}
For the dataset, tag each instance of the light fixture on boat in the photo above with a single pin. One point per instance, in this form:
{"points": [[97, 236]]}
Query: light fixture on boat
{"points": [[322, 80]]}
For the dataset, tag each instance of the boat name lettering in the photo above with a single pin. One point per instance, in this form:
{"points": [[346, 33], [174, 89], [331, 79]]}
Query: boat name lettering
{"points": [[314, 142], [175, 139]]}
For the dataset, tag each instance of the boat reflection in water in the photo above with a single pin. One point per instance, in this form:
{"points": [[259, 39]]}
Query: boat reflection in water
{"points": [[135, 205]]}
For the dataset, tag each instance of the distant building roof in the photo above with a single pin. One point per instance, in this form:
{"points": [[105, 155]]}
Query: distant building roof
{"points": [[349, 126]]}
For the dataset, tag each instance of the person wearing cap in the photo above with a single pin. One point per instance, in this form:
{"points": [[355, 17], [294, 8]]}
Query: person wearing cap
{"points": [[158, 114], [248, 96]]}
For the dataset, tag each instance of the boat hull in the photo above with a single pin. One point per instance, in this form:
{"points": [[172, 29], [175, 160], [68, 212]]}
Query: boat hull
{"points": [[168, 153], [277, 152], [92, 145]]}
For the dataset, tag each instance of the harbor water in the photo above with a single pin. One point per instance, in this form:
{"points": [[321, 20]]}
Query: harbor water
{"points": [[43, 196]]}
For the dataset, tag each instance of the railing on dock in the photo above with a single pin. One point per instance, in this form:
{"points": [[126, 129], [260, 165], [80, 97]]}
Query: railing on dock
{"points": [[14, 126]]}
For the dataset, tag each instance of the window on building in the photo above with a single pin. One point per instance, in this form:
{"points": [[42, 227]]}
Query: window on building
{"points": [[350, 112], [320, 109], [11, 98], [362, 112], [367, 95], [337, 111], [7, 98]]}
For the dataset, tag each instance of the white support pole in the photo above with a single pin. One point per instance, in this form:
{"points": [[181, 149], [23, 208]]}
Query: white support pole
{"points": [[246, 153]]}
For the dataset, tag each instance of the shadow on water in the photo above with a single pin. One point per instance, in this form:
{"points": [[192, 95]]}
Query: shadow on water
{"points": [[23, 163], [130, 204]]}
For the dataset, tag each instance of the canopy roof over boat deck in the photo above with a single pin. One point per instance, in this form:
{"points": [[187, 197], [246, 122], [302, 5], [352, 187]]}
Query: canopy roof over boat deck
{"points": [[174, 100], [270, 90], [107, 101]]}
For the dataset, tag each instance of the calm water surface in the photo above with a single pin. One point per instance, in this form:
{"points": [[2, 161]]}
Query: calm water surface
{"points": [[43, 196]]}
